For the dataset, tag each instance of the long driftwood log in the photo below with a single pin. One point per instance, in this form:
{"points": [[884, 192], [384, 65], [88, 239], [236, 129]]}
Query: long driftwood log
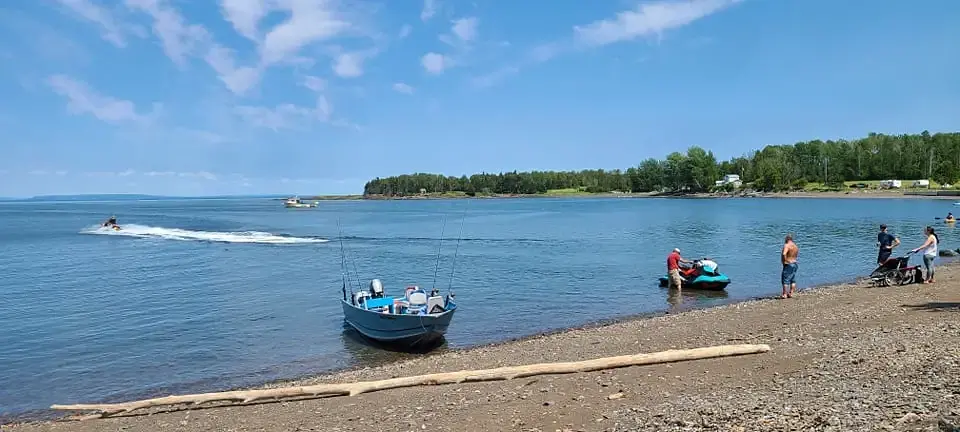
{"points": [[501, 373]]}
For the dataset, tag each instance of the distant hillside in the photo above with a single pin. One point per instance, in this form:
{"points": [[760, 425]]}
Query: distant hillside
{"points": [[133, 197]]}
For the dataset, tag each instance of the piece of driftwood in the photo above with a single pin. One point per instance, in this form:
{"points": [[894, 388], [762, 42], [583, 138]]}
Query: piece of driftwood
{"points": [[501, 373]]}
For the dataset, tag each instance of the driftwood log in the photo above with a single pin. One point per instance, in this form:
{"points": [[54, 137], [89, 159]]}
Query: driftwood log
{"points": [[352, 389]]}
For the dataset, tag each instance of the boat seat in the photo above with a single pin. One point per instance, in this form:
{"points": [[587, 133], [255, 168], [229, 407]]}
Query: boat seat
{"points": [[372, 303], [418, 298]]}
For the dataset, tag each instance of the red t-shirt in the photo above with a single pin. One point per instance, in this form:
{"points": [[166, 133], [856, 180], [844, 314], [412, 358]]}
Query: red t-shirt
{"points": [[673, 261]]}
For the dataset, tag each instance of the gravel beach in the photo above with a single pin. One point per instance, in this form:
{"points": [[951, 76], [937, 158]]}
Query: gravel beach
{"points": [[843, 358]]}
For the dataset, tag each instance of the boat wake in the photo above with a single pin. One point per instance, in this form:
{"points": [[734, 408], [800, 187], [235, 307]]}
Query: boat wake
{"points": [[142, 231]]}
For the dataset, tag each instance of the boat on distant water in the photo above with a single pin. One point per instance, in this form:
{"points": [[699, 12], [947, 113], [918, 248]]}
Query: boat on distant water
{"points": [[295, 202]]}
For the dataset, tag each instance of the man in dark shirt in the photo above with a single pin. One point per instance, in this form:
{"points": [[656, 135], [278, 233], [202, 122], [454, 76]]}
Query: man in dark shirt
{"points": [[886, 242]]}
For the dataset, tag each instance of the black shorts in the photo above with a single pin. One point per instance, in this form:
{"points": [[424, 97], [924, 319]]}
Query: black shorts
{"points": [[883, 256]]}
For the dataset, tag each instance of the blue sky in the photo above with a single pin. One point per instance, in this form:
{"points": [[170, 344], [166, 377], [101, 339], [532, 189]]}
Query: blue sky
{"points": [[311, 96]]}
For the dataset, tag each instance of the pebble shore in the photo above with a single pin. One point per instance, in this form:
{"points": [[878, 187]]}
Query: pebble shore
{"points": [[843, 358]]}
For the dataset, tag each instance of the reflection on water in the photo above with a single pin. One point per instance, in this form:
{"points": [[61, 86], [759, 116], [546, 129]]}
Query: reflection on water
{"points": [[693, 298], [366, 351]]}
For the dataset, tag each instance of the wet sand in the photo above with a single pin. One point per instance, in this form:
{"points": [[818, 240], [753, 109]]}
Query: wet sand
{"points": [[843, 358]]}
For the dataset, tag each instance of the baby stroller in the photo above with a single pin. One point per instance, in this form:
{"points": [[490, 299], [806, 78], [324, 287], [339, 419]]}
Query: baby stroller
{"points": [[896, 271]]}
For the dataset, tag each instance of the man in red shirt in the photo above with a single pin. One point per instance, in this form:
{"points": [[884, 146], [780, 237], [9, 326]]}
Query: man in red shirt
{"points": [[673, 268]]}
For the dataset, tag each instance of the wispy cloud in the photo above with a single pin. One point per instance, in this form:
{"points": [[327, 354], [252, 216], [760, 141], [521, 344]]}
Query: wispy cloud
{"points": [[429, 10], [238, 80], [315, 84], [81, 99], [645, 19], [403, 88], [405, 31], [309, 22], [111, 30], [42, 172], [245, 15], [178, 38]]}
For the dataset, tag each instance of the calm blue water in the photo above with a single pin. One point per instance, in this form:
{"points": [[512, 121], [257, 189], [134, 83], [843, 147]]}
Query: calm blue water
{"points": [[214, 294]]}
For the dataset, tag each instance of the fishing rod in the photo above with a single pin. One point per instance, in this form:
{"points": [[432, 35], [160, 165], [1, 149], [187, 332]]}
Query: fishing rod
{"points": [[456, 251], [353, 261], [343, 263], [440, 245]]}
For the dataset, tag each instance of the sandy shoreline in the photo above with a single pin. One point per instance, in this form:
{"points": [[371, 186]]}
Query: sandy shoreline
{"points": [[844, 357]]}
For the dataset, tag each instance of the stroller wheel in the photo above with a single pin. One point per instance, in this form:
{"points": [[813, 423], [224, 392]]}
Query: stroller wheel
{"points": [[907, 277], [890, 279]]}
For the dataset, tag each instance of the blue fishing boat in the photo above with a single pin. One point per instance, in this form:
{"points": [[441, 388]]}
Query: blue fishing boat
{"points": [[415, 320], [412, 320]]}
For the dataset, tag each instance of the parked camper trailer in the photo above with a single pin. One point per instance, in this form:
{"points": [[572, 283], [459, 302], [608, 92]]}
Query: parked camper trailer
{"points": [[891, 184]]}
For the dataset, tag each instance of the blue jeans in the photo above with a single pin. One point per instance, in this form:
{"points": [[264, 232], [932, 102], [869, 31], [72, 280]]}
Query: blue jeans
{"points": [[928, 263], [789, 274]]}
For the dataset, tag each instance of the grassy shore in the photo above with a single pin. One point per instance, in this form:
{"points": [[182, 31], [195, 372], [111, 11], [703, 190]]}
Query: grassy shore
{"points": [[844, 358], [811, 190]]}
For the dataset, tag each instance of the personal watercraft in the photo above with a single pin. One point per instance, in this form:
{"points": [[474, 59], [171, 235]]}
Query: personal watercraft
{"points": [[111, 223], [699, 277]]}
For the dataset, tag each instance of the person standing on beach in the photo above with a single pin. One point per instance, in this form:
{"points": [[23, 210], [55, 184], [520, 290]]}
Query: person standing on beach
{"points": [[673, 268], [886, 242], [788, 256], [931, 249]]}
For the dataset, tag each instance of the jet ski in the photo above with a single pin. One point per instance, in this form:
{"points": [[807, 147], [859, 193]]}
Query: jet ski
{"points": [[699, 277], [111, 224]]}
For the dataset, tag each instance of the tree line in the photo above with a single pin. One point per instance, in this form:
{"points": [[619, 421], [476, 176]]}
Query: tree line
{"points": [[773, 168]]}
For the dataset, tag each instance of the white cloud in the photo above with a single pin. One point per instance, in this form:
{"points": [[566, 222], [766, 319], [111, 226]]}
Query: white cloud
{"points": [[405, 31], [465, 28], [349, 65], [429, 10], [238, 80], [647, 19], [403, 88], [82, 99], [313, 83], [186, 174], [435, 63], [179, 39], [110, 29], [309, 22], [494, 77], [245, 15], [285, 116]]}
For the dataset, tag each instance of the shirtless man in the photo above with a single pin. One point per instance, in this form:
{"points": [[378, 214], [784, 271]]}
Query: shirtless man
{"points": [[788, 256]]}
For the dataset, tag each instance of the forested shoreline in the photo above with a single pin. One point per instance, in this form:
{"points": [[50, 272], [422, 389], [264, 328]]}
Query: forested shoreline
{"points": [[774, 168]]}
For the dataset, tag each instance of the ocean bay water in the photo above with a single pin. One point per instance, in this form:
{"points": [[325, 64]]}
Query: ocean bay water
{"points": [[201, 295]]}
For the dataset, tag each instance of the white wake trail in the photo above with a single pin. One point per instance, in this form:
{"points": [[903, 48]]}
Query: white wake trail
{"points": [[142, 231]]}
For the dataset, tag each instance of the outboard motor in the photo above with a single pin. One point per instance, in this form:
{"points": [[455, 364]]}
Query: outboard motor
{"points": [[376, 288]]}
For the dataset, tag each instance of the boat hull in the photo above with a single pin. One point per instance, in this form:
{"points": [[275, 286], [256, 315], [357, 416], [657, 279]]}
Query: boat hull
{"points": [[411, 331], [707, 283]]}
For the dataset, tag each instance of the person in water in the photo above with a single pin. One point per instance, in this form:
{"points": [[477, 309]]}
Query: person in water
{"points": [[949, 217], [931, 249], [886, 242], [673, 268], [788, 256]]}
